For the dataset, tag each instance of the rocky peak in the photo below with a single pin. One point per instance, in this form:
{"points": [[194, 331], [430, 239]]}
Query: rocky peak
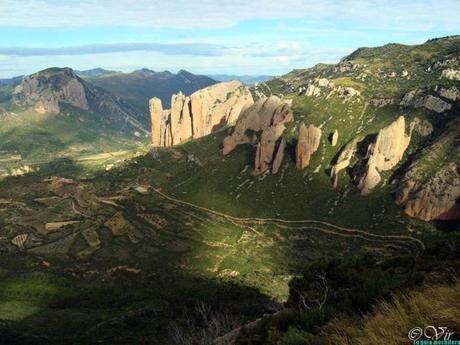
{"points": [[45, 90], [267, 116], [307, 143], [384, 153], [199, 114]]}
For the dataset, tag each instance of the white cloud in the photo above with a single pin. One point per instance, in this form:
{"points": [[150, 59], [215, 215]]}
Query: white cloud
{"points": [[390, 14]]}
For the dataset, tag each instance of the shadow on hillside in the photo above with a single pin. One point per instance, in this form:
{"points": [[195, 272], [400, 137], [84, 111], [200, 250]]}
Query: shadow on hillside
{"points": [[134, 310]]}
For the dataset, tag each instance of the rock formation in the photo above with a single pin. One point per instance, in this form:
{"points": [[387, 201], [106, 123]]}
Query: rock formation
{"points": [[433, 195], [45, 90], [383, 154], [452, 93], [344, 160], [334, 138], [268, 116], [198, 115], [451, 74], [307, 144], [419, 98], [436, 198], [279, 156]]}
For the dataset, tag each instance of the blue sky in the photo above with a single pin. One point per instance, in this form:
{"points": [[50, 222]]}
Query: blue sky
{"points": [[209, 36]]}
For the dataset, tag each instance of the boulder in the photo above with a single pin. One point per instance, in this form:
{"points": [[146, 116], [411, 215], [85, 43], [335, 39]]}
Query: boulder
{"points": [[452, 93], [451, 74], [334, 138], [307, 144]]}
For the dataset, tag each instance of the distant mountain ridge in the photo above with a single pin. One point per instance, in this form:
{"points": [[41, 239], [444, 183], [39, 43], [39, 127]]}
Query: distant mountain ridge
{"points": [[139, 86], [249, 80]]}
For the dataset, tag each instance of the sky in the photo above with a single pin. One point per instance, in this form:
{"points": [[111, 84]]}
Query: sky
{"points": [[250, 37]]}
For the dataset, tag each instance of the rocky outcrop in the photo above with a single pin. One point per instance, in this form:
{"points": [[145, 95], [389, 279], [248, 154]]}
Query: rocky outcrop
{"points": [[198, 115], [266, 153], [344, 160], [384, 153], [436, 198], [279, 156], [419, 99], [452, 93], [422, 127], [451, 74], [45, 90], [268, 116], [307, 144], [334, 138], [429, 188]]}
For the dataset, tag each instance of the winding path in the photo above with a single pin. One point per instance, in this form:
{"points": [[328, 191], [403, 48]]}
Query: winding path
{"points": [[301, 224]]}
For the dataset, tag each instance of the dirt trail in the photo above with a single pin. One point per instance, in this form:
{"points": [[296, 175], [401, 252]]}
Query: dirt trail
{"points": [[302, 224]]}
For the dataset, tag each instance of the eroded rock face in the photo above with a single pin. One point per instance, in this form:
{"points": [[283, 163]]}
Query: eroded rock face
{"points": [[452, 93], [268, 116], [422, 127], [307, 144], [418, 99], [198, 115], [46, 89], [279, 156], [433, 199], [384, 153], [334, 138], [344, 160], [435, 195]]}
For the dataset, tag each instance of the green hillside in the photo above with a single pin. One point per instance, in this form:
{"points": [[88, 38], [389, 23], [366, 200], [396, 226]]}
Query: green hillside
{"points": [[182, 245], [139, 86]]}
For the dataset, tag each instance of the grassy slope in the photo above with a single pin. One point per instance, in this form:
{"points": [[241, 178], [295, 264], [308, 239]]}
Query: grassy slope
{"points": [[195, 253]]}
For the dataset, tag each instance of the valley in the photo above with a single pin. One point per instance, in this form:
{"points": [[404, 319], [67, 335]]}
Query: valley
{"points": [[300, 202]]}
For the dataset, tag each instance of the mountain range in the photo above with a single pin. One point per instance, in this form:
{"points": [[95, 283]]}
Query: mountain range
{"points": [[317, 207]]}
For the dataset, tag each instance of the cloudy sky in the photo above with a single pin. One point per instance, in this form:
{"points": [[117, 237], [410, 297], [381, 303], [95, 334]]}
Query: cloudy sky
{"points": [[209, 36]]}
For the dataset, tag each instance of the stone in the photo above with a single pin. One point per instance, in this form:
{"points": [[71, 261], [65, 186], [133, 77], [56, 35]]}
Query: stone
{"points": [[279, 156], [312, 90], [307, 144], [258, 117], [334, 138], [422, 127], [451, 74], [384, 153], [418, 99], [268, 116], [344, 160], [200, 114], [20, 240], [435, 195], [156, 114], [266, 148], [47, 89], [452, 93]]}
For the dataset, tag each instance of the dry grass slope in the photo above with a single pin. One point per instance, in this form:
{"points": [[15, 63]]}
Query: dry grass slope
{"points": [[390, 322]]}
